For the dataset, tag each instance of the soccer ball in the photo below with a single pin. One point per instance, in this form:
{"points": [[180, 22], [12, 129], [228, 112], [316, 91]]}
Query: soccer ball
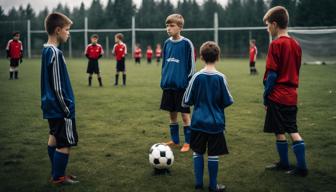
{"points": [[161, 156]]}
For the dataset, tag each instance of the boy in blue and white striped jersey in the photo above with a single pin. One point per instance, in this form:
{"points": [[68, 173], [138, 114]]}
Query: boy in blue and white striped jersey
{"points": [[208, 92], [57, 98]]}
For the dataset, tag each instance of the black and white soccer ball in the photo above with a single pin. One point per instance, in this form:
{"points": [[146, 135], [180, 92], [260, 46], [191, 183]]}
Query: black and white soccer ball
{"points": [[161, 156]]}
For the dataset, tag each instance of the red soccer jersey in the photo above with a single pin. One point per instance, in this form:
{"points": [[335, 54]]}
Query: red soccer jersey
{"points": [[149, 53], [284, 57], [94, 51], [158, 52], [253, 54], [119, 50], [15, 48], [137, 53]]}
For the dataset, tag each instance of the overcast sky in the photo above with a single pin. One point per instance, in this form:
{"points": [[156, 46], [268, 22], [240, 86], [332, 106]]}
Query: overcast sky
{"points": [[41, 4]]}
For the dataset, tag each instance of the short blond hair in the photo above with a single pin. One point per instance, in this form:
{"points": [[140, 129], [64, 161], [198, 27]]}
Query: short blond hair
{"points": [[119, 36], [279, 15], [175, 18], [54, 20]]}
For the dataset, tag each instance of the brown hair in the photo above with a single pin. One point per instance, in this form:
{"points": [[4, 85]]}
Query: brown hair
{"points": [[119, 36], [54, 20], [253, 41], [210, 52], [95, 36], [279, 15], [175, 18]]}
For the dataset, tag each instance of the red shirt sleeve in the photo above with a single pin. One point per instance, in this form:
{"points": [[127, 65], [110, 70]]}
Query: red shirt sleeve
{"points": [[272, 61]]}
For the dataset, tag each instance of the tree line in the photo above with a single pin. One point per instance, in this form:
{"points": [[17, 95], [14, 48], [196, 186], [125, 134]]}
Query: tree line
{"points": [[117, 14]]}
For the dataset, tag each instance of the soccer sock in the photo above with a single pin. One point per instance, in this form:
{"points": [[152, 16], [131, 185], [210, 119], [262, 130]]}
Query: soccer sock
{"points": [[51, 152], [174, 133], [90, 81], [213, 170], [198, 169], [124, 79], [16, 74], [116, 79], [11, 74], [282, 148], [100, 81], [60, 164], [299, 150], [187, 132]]}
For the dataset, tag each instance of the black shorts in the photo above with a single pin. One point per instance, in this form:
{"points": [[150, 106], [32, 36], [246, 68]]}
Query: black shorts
{"points": [[64, 130], [158, 59], [172, 101], [280, 119], [93, 66], [14, 62], [137, 60], [149, 60], [121, 65], [252, 63], [216, 143]]}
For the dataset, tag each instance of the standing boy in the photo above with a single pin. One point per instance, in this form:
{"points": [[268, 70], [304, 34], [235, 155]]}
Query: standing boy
{"points": [[149, 54], [253, 57], [209, 93], [178, 66], [158, 53], [281, 81], [93, 52], [14, 50], [137, 54], [120, 51], [58, 102]]}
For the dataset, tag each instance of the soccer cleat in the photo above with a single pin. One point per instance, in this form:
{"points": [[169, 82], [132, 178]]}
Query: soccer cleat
{"points": [[277, 167], [172, 144], [298, 172], [185, 147], [219, 188], [66, 180], [198, 188]]}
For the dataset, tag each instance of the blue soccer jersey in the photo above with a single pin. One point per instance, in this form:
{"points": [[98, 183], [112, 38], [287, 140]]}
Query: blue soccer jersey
{"points": [[178, 64], [56, 92], [208, 92]]}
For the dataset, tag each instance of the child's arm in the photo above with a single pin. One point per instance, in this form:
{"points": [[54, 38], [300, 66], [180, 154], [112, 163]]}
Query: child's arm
{"points": [[269, 84], [191, 61], [7, 49], [227, 97], [188, 97], [101, 52]]}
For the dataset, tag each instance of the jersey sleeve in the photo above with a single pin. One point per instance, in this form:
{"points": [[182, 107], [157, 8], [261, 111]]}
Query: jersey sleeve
{"points": [[188, 97], [101, 50], [56, 84], [191, 59], [272, 61], [125, 53], [113, 50], [227, 98]]}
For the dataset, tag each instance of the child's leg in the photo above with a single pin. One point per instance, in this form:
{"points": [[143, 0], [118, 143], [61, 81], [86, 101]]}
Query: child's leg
{"points": [[61, 158], [116, 78], [213, 171], [299, 150], [51, 151], [11, 72], [282, 148], [16, 72], [186, 126], [198, 169], [90, 79], [124, 77], [174, 128], [100, 80]]}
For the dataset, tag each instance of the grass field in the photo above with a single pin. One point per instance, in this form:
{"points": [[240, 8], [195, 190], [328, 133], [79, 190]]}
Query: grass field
{"points": [[117, 126]]}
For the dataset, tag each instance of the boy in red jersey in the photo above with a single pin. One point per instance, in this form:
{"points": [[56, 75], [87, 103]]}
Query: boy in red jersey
{"points": [[120, 51], [14, 50], [137, 54], [158, 53], [253, 57], [281, 81], [149, 54], [93, 52]]}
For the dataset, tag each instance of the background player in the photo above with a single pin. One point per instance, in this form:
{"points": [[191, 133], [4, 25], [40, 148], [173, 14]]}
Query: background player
{"points": [[253, 57], [14, 50], [158, 53], [149, 54], [120, 51], [137, 54], [93, 52]]}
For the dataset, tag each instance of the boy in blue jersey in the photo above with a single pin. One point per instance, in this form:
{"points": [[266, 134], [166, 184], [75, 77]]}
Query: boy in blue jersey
{"points": [[178, 66], [58, 104], [208, 92]]}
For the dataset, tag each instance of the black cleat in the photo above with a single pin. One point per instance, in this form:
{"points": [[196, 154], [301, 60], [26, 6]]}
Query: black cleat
{"points": [[219, 188], [298, 172], [277, 167]]}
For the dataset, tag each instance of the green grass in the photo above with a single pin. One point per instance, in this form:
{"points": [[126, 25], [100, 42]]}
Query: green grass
{"points": [[117, 125]]}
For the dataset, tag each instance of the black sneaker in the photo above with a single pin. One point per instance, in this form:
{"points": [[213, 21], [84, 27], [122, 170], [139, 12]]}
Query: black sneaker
{"points": [[198, 188], [277, 167], [298, 172], [219, 188]]}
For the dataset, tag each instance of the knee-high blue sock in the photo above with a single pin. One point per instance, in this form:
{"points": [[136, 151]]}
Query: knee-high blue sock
{"points": [[60, 164], [299, 150], [213, 170], [198, 169], [282, 148], [51, 151], [187, 132], [174, 133]]}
